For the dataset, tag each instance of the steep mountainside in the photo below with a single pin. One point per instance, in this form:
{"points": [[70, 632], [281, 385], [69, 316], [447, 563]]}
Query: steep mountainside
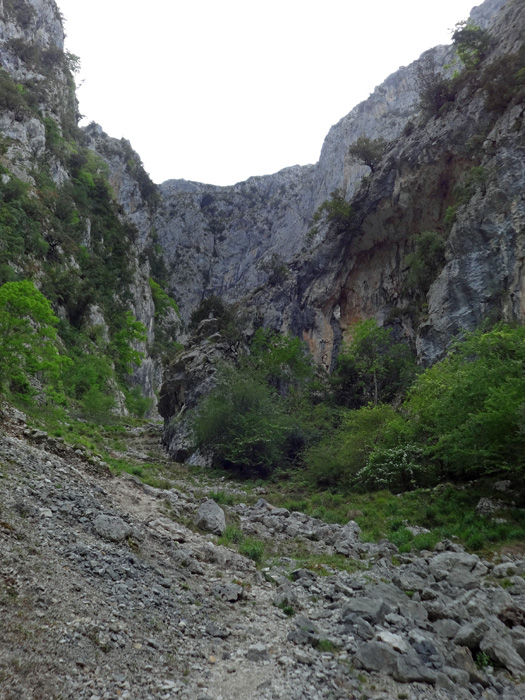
{"points": [[75, 222]]}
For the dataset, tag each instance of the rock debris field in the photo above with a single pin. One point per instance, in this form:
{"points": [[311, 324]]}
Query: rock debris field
{"points": [[108, 589]]}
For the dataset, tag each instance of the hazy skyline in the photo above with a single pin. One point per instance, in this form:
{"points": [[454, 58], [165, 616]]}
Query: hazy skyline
{"points": [[220, 91]]}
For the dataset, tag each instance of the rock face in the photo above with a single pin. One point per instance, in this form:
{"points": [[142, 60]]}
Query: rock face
{"points": [[457, 174], [42, 145]]}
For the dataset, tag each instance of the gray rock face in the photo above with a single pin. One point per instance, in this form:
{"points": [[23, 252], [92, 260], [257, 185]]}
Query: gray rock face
{"points": [[250, 243], [210, 517]]}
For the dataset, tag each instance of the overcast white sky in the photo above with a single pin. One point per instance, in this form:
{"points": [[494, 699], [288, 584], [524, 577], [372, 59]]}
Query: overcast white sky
{"points": [[219, 90]]}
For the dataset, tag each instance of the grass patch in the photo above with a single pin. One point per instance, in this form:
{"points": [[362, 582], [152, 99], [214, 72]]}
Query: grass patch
{"points": [[253, 549], [231, 535], [224, 498]]}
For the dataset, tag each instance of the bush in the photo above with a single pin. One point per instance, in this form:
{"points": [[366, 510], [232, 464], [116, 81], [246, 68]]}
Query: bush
{"points": [[425, 263], [469, 408], [338, 459], [503, 80], [400, 468], [435, 90], [335, 212], [244, 424], [28, 333]]}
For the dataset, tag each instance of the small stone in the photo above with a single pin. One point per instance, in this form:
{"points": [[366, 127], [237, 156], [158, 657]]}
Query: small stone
{"points": [[257, 652]]}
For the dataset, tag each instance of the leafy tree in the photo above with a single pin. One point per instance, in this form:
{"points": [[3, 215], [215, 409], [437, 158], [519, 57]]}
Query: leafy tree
{"points": [[471, 43], [123, 344], [281, 360], [373, 367], [27, 332], [469, 409], [243, 422], [368, 151]]}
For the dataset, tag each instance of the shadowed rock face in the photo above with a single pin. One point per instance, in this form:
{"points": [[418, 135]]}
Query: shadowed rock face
{"points": [[250, 241], [458, 174]]}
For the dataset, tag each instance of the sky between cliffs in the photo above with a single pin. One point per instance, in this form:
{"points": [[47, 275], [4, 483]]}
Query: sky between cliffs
{"points": [[219, 90]]}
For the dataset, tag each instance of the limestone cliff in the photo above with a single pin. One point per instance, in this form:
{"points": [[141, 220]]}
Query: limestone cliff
{"points": [[77, 204], [251, 240]]}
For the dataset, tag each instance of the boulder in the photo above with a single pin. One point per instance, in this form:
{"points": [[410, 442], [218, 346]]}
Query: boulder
{"points": [[210, 517], [111, 527]]}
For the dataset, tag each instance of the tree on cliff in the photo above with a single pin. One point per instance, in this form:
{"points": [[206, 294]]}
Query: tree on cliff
{"points": [[368, 151]]}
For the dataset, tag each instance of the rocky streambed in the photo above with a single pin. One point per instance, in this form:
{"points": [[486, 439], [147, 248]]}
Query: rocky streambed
{"points": [[109, 590]]}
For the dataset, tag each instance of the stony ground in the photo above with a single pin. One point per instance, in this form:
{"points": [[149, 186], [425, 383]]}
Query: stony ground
{"points": [[109, 590]]}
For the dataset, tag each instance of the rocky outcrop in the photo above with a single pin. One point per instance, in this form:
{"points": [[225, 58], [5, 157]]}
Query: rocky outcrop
{"points": [[458, 174], [251, 241], [41, 144]]}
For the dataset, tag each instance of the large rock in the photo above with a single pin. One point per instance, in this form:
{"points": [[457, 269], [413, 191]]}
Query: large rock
{"points": [[210, 517], [111, 527], [500, 649]]}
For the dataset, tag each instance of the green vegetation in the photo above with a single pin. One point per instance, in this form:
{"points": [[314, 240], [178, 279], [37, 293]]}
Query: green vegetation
{"points": [[250, 547], [468, 411], [425, 263], [244, 424], [471, 43], [28, 332], [372, 367], [247, 420], [367, 151], [336, 212]]}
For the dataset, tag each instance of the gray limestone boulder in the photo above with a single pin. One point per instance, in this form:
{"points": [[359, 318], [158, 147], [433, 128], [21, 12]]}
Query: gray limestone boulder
{"points": [[373, 611], [502, 652], [377, 656], [210, 517], [111, 527]]}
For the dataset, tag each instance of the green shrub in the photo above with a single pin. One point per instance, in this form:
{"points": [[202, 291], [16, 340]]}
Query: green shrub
{"points": [[136, 403], [425, 263], [469, 408], [28, 333], [434, 89], [244, 424], [504, 80], [399, 468], [335, 212], [340, 456]]}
